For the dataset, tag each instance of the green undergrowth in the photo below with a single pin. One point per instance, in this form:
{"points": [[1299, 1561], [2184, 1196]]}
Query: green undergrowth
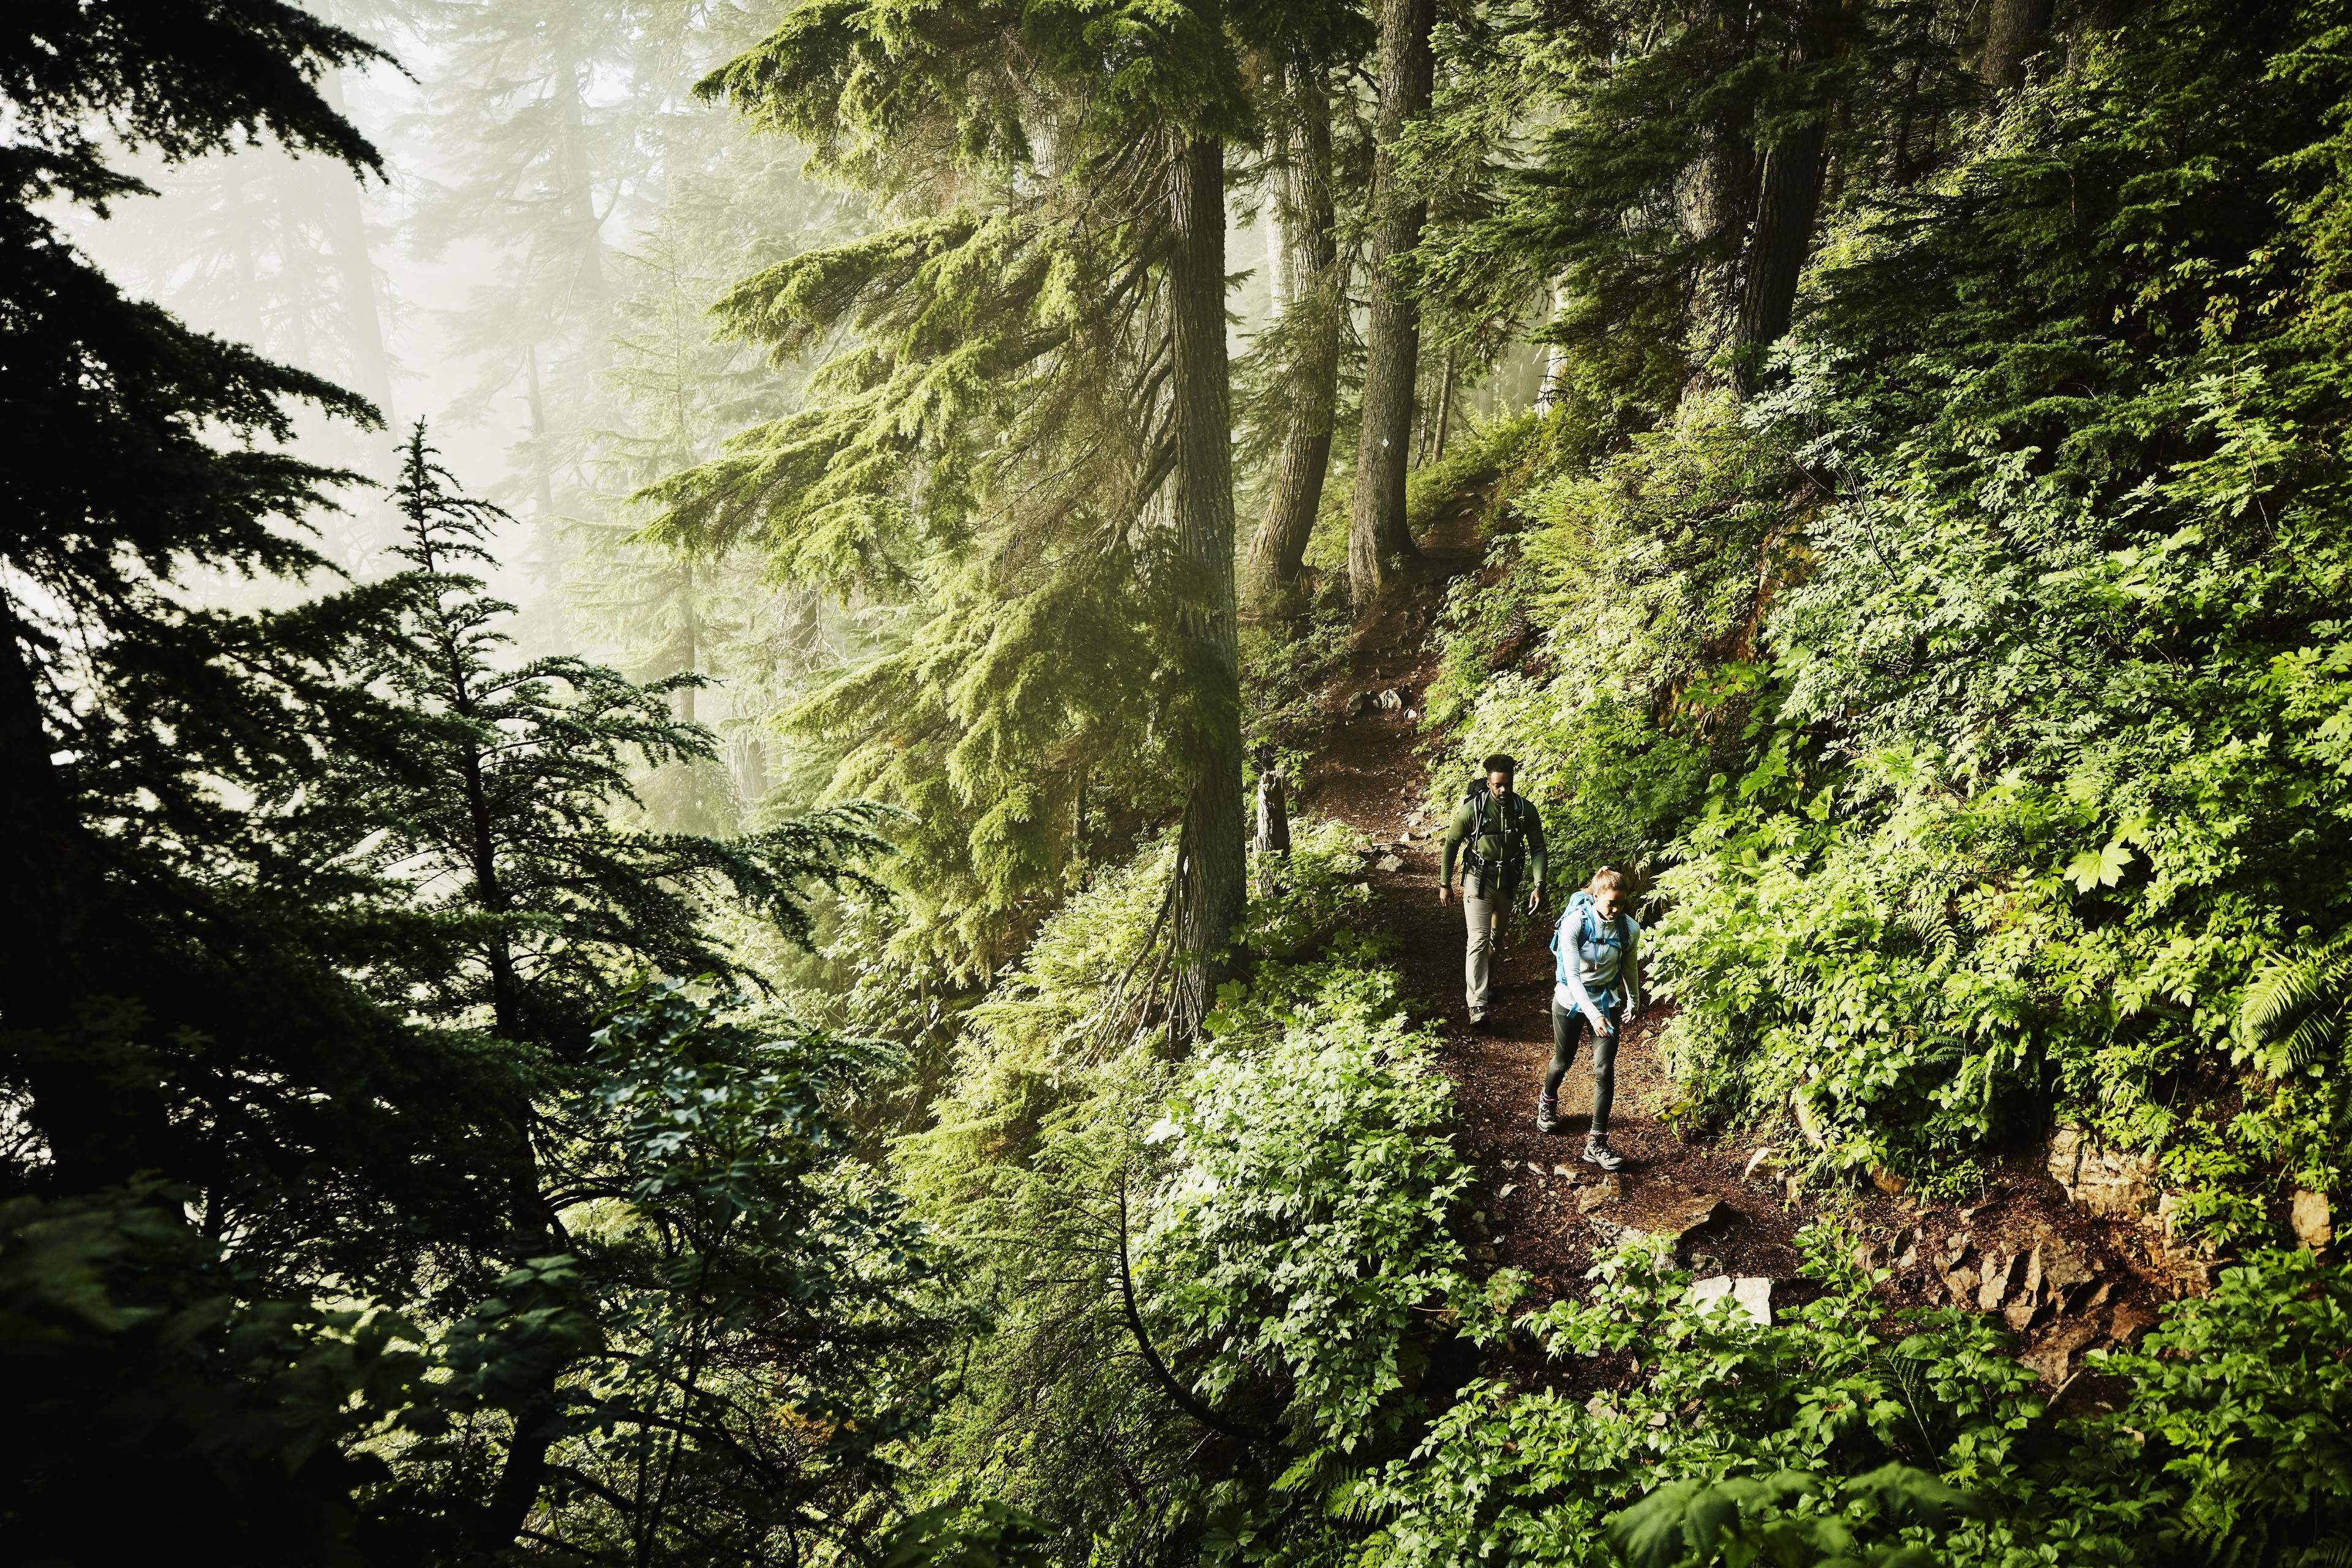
{"points": [[1316, 1370], [1491, 460], [1281, 1201], [1840, 1434], [1973, 703]]}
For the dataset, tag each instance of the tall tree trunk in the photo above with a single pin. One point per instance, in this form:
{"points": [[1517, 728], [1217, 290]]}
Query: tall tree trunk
{"points": [[1214, 866], [1277, 255], [1718, 196], [1445, 412], [2010, 39], [1377, 534], [1786, 211], [575, 179], [1307, 214], [1555, 357]]}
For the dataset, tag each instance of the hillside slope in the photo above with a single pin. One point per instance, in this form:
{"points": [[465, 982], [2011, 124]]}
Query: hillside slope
{"points": [[2043, 1260]]}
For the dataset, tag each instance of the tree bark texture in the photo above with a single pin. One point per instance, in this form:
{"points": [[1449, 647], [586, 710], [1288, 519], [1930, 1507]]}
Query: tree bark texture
{"points": [[1555, 365], [1433, 428], [1787, 209], [1307, 214], [2011, 36], [1214, 864], [1377, 534], [1718, 197]]}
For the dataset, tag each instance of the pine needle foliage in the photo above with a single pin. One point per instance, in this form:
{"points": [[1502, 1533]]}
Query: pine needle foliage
{"points": [[505, 813], [993, 441]]}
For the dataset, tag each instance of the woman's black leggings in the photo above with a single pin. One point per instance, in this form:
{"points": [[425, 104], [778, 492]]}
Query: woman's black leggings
{"points": [[1566, 1025]]}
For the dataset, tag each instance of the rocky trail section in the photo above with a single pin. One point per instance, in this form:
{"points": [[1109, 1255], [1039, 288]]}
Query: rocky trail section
{"points": [[2067, 1244]]}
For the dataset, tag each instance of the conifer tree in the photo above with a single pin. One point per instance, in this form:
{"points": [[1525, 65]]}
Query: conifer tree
{"points": [[551, 164], [1656, 181], [134, 721], [214, 1114], [1031, 426], [674, 392], [501, 816], [507, 806]]}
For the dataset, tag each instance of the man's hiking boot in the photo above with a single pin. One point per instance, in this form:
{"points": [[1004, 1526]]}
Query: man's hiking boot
{"points": [[1546, 1114], [1478, 1022], [1598, 1152]]}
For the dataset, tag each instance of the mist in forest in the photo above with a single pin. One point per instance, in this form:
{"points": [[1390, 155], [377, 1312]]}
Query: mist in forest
{"points": [[1176, 784], [531, 277]]}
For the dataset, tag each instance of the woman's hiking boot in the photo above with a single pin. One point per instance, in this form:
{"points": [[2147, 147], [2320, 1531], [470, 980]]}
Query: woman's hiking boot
{"points": [[1598, 1152], [1547, 1114]]}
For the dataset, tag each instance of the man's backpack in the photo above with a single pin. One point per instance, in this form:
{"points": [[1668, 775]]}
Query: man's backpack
{"points": [[1508, 825]]}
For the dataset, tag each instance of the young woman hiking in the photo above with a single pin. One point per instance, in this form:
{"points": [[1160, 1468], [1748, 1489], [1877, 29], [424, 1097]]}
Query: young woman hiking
{"points": [[1596, 987]]}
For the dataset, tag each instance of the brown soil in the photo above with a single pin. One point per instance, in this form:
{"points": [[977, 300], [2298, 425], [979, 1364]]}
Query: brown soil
{"points": [[1373, 775]]}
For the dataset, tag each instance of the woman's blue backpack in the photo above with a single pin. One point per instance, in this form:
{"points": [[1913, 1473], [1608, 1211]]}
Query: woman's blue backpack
{"points": [[1579, 905]]}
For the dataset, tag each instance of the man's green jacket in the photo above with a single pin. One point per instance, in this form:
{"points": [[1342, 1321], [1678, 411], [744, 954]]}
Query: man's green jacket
{"points": [[1525, 821]]}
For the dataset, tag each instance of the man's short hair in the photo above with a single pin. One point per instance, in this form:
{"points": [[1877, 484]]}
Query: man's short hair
{"points": [[1499, 763]]}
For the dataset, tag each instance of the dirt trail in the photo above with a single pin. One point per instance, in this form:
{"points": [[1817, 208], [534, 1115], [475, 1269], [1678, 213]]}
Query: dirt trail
{"points": [[1545, 1212], [1372, 778]]}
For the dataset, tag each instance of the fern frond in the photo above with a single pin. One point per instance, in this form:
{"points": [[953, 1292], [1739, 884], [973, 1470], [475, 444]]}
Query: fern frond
{"points": [[2299, 1003]]}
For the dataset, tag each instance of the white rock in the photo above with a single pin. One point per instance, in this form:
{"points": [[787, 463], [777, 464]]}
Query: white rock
{"points": [[1751, 1294], [2109, 1182], [2314, 1226], [1389, 863]]}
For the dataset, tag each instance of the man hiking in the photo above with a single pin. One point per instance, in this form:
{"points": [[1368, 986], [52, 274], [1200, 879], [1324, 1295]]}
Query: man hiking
{"points": [[1596, 988], [1500, 839]]}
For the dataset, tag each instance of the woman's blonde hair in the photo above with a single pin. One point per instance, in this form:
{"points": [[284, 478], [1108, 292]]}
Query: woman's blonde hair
{"points": [[1606, 879]]}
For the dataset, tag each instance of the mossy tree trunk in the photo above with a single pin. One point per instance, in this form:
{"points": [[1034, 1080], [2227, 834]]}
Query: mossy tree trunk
{"points": [[1215, 863], [1378, 538], [1788, 208]]}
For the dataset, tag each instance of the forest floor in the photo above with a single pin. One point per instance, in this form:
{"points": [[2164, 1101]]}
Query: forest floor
{"points": [[2066, 1282]]}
